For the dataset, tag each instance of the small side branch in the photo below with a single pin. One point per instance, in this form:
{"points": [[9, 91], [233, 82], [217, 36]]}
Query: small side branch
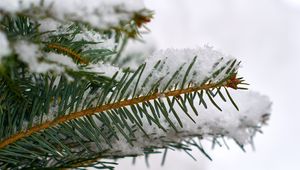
{"points": [[70, 53]]}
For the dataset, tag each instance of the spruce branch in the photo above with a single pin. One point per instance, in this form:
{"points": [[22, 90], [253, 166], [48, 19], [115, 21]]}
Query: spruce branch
{"points": [[64, 103], [108, 107]]}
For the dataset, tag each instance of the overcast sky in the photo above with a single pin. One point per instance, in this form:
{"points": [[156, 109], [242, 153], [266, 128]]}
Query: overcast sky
{"points": [[265, 36]]}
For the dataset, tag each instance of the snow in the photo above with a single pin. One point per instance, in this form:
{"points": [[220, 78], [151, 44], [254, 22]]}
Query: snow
{"points": [[15, 6], [30, 54], [104, 69], [4, 46], [62, 60], [99, 13], [173, 59], [48, 24], [102, 41]]}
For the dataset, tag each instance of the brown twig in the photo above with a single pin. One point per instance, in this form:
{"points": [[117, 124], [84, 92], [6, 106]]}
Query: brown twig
{"points": [[71, 53]]}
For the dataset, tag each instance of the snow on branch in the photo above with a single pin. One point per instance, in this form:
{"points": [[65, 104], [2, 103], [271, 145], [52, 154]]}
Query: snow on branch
{"points": [[237, 124], [98, 13]]}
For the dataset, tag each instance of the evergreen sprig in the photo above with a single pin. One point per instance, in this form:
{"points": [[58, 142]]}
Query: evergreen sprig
{"points": [[75, 123], [50, 121]]}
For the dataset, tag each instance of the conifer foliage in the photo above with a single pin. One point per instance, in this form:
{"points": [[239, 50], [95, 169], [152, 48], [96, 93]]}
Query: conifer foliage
{"points": [[72, 95]]}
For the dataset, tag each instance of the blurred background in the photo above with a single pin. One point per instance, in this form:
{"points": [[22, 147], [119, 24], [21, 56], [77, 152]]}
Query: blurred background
{"points": [[265, 36]]}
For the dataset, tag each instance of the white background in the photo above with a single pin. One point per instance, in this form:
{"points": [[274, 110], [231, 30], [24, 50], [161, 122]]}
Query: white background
{"points": [[265, 36]]}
